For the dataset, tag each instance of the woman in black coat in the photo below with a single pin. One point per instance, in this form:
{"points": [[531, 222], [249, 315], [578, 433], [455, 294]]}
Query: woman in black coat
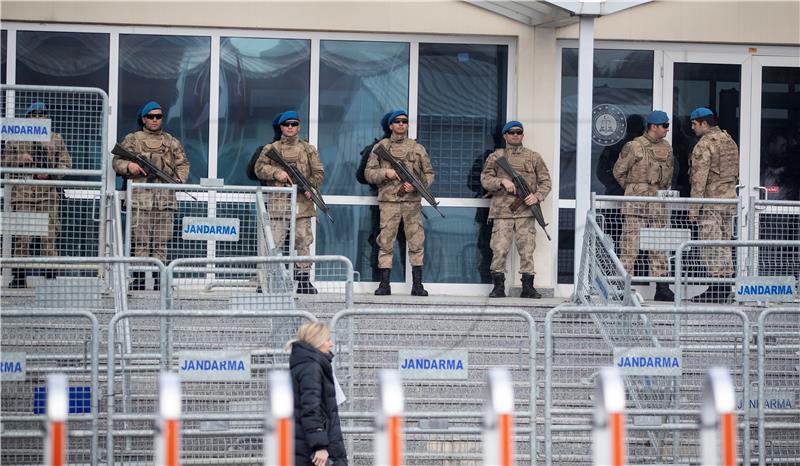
{"points": [[318, 437]]}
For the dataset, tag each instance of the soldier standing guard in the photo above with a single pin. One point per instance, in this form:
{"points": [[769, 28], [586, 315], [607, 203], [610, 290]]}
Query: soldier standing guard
{"points": [[645, 166], [399, 201], [305, 158], [517, 223], [153, 209], [27, 198], [714, 173]]}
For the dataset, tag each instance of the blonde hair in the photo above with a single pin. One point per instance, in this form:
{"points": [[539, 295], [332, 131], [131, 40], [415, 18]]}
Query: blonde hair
{"points": [[312, 333]]}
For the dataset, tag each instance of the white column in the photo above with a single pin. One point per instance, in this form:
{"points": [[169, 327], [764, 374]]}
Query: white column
{"points": [[583, 155]]}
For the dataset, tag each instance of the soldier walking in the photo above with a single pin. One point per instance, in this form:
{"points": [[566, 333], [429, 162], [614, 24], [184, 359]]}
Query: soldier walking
{"points": [[518, 224], [399, 201], [714, 173], [644, 167], [153, 209]]}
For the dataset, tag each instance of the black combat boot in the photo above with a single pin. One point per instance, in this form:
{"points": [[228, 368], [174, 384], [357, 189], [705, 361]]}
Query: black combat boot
{"points": [[138, 281], [499, 281], [528, 291], [17, 279], [718, 293], [416, 285], [304, 285], [384, 289], [156, 281], [663, 293]]}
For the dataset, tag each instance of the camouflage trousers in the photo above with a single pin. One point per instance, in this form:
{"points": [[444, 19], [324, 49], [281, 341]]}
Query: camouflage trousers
{"points": [[391, 215], [303, 237], [629, 247], [22, 244], [523, 231], [150, 231], [716, 223]]}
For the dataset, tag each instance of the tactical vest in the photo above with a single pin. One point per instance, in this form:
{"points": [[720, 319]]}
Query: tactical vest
{"points": [[724, 165], [154, 150], [651, 168]]}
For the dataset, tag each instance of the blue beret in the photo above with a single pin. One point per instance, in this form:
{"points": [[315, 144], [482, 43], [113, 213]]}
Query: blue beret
{"points": [[700, 112], [288, 115], [36, 107], [657, 117], [149, 107], [510, 125], [385, 123], [396, 113]]}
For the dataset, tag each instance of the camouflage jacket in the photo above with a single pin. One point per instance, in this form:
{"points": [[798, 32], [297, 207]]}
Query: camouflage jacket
{"points": [[24, 154], [165, 152], [410, 153], [714, 165], [529, 165], [644, 166], [302, 156]]}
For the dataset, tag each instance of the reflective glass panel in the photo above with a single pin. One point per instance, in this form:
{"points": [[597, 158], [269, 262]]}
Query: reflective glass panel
{"points": [[566, 245], [353, 236], [173, 71], [462, 102], [3, 48], [457, 246], [780, 132], [715, 86], [622, 96], [359, 82], [259, 78], [62, 59]]}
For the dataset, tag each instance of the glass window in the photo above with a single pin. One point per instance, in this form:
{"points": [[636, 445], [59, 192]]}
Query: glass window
{"points": [[259, 78], [173, 71], [566, 246], [462, 102], [457, 246], [3, 48], [623, 94], [359, 82], [780, 132], [353, 236], [62, 58]]}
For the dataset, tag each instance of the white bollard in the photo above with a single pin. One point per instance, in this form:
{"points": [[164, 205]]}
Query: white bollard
{"points": [[57, 412], [608, 431], [718, 419], [389, 420], [498, 418], [168, 440], [279, 433]]}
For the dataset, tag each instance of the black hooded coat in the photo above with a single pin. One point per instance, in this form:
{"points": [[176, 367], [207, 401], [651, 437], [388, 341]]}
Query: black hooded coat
{"points": [[316, 415]]}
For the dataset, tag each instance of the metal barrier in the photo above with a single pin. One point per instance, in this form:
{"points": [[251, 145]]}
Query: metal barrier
{"points": [[36, 343], [53, 133], [663, 365], [222, 358], [778, 387], [443, 414]]}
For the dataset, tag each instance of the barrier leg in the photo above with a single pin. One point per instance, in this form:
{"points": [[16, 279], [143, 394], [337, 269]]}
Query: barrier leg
{"points": [[57, 411], [718, 419], [279, 433], [608, 431], [498, 419], [389, 447], [168, 440]]}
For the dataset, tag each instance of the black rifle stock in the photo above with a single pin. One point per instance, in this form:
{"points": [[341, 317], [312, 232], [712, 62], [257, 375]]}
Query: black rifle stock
{"points": [[522, 191], [301, 181], [407, 177], [149, 167]]}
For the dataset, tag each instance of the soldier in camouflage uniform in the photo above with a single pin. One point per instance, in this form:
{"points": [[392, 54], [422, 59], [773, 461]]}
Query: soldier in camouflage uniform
{"points": [[400, 201], [44, 199], [153, 209], [518, 223], [644, 167], [305, 157], [714, 173]]}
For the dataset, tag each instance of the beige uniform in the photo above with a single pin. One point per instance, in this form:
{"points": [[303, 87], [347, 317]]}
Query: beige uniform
{"points": [[714, 172], [644, 166], [506, 223], [153, 209], [44, 199], [305, 158], [394, 207]]}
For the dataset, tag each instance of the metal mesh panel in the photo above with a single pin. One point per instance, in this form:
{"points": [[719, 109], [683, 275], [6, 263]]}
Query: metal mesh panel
{"points": [[443, 416], [779, 386], [776, 220], [222, 420], [581, 340], [48, 343], [601, 278]]}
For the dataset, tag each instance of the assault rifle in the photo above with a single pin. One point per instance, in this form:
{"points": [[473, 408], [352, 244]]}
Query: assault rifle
{"points": [[300, 180], [407, 177], [522, 191], [149, 167]]}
